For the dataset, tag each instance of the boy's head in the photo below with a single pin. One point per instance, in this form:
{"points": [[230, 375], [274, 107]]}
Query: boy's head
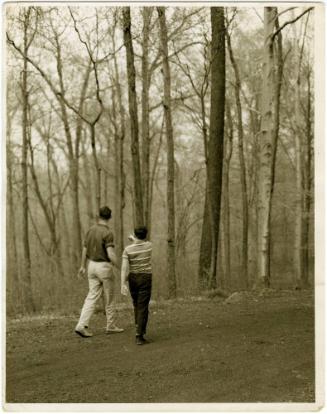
{"points": [[141, 232], [105, 213]]}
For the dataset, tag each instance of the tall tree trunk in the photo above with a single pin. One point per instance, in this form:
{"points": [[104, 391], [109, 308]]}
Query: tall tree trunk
{"points": [[12, 254], [146, 12], [118, 180], [205, 245], [88, 185], [73, 158], [277, 91], [153, 175], [170, 153], [307, 185], [119, 160], [228, 151], [181, 214], [65, 243], [26, 274], [253, 189], [237, 91], [76, 221], [266, 151], [300, 236], [97, 168], [47, 206], [139, 216], [216, 136]]}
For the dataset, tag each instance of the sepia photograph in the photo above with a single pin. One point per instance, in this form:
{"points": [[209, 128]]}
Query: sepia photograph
{"points": [[163, 206]]}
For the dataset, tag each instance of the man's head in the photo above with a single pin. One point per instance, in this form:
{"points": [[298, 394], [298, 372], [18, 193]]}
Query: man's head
{"points": [[141, 232], [105, 213]]}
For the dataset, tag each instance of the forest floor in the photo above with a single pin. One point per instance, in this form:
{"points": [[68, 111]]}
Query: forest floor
{"points": [[244, 349]]}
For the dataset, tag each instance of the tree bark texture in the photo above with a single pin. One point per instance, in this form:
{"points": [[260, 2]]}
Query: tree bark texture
{"points": [[300, 236], [119, 158], [205, 245], [153, 175], [12, 253], [26, 274], [146, 12], [89, 199], [170, 153], [118, 219], [245, 214], [228, 151], [206, 242], [266, 151], [73, 155], [307, 182], [139, 216], [97, 168], [216, 134]]}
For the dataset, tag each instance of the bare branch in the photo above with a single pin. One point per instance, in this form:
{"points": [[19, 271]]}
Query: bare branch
{"points": [[57, 93], [290, 22], [94, 64]]}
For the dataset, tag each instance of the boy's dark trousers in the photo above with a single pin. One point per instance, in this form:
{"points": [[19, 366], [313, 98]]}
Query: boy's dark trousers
{"points": [[140, 287]]}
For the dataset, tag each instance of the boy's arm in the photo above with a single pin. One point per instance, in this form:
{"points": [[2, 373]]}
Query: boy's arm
{"points": [[131, 238], [124, 275]]}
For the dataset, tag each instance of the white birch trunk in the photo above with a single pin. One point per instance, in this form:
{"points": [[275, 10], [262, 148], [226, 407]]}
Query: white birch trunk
{"points": [[266, 151]]}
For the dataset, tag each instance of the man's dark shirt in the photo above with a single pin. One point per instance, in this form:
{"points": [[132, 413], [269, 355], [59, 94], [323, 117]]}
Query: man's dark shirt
{"points": [[97, 240]]}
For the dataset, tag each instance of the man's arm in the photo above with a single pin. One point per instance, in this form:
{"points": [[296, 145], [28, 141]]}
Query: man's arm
{"points": [[81, 271], [112, 256]]}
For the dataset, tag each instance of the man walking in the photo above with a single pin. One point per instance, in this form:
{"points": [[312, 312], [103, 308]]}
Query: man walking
{"points": [[98, 249], [136, 269]]}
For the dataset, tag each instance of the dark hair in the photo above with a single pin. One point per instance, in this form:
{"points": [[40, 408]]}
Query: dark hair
{"points": [[105, 213], [141, 232]]}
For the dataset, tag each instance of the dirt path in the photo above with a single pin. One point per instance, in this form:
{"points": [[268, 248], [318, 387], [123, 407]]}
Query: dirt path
{"points": [[202, 351]]}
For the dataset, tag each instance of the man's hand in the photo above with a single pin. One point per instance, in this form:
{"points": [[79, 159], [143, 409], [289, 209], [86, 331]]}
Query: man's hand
{"points": [[81, 273], [124, 289]]}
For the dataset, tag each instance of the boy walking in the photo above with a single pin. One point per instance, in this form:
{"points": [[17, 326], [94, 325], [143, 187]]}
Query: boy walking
{"points": [[99, 251], [136, 274]]}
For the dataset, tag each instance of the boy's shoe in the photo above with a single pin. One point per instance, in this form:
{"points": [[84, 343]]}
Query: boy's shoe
{"points": [[83, 332], [140, 340], [114, 329]]}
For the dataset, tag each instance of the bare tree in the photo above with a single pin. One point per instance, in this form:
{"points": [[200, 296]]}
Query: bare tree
{"points": [[28, 36], [228, 151], [170, 153], [265, 149], [13, 261], [200, 85], [300, 277], [237, 92], [216, 135], [147, 14], [139, 215], [307, 180]]}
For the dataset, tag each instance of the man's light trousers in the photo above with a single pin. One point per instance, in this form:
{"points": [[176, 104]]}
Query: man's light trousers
{"points": [[101, 279]]}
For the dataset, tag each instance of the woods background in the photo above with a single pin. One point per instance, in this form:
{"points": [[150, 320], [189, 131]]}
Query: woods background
{"points": [[197, 122]]}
